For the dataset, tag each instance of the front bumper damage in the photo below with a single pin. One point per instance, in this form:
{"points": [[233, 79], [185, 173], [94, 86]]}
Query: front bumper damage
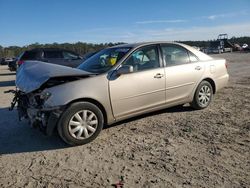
{"points": [[45, 119], [32, 78], [38, 116]]}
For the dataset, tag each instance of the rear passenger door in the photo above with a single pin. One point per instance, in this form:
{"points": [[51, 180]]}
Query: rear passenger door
{"points": [[183, 70]]}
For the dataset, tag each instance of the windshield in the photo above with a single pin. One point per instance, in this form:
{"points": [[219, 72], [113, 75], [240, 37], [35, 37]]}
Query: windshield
{"points": [[104, 60]]}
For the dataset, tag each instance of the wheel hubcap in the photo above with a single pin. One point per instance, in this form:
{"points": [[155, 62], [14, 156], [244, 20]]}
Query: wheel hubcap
{"points": [[83, 124], [204, 95]]}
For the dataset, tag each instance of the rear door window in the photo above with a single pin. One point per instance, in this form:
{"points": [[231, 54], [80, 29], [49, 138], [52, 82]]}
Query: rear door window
{"points": [[53, 54], [192, 57], [174, 55]]}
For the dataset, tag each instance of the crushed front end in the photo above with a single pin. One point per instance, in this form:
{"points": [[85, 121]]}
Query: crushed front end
{"points": [[31, 107], [33, 79]]}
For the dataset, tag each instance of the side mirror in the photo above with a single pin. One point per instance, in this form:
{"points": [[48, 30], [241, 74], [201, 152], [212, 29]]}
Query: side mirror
{"points": [[125, 69]]}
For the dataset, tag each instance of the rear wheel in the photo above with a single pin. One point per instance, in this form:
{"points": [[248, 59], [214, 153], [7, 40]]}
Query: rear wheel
{"points": [[80, 123], [203, 95]]}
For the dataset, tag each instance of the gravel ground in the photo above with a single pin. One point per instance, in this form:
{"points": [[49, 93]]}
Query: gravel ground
{"points": [[176, 147]]}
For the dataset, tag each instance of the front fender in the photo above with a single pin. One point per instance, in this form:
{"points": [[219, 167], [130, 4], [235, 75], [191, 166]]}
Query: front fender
{"points": [[96, 88]]}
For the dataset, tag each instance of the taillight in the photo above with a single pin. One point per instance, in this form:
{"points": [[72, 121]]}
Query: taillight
{"points": [[20, 62]]}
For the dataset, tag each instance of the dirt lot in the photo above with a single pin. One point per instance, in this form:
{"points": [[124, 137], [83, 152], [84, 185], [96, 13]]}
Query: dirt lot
{"points": [[177, 147]]}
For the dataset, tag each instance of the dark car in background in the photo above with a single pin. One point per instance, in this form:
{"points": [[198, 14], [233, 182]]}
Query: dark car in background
{"points": [[12, 64], [10, 61], [2, 61], [51, 55]]}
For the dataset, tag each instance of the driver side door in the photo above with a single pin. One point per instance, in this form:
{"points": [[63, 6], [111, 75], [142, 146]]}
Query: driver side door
{"points": [[141, 90]]}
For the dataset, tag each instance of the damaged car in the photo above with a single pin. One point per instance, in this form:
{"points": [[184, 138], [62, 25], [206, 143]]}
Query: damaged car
{"points": [[114, 84]]}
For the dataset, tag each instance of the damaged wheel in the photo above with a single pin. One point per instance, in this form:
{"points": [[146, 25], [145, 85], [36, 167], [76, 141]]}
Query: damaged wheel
{"points": [[80, 123]]}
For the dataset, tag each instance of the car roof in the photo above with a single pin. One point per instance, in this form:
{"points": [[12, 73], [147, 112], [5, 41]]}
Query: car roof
{"points": [[199, 54], [50, 49], [47, 49], [135, 45]]}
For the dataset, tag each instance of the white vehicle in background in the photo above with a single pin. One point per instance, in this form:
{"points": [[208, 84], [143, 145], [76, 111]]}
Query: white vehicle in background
{"points": [[244, 45]]}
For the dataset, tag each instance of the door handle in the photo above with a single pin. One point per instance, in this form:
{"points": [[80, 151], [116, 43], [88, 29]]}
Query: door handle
{"points": [[158, 75], [198, 68]]}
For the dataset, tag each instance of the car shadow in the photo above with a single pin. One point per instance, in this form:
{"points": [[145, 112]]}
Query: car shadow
{"points": [[7, 83], [175, 109], [19, 137], [8, 74]]}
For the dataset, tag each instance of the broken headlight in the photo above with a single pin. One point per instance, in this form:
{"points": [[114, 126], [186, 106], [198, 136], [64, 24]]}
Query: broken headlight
{"points": [[45, 95]]}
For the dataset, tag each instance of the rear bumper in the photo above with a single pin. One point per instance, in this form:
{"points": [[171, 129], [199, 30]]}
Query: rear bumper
{"points": [[222, 82]]}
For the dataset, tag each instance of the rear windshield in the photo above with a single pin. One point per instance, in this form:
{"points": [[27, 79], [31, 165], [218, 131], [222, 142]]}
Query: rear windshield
{"points": [[29, 55]]}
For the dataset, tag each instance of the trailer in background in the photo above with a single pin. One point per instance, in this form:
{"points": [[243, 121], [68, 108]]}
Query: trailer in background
{"points": [[221, 45]]}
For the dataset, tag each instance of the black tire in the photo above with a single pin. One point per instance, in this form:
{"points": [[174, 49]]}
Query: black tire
{"points": [[64, 122], [196, 103]]}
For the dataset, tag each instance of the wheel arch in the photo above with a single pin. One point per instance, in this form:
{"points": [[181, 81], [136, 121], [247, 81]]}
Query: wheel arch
{"points": [[211, 81], [95, 102]]}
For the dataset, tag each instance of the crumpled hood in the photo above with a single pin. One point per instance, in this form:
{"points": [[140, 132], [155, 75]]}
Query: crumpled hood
{"points": [[32, 74]]}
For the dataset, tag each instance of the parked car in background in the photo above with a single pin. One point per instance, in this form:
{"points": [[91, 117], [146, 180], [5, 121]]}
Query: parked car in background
{"points": [[51, 55], [115, 84], [12, 65], [9, 59], [245, 48], [2, 61], [5, 61]]}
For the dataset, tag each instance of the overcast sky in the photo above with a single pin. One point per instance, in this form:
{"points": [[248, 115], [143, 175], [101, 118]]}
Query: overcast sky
{"points": [[45, 21]]}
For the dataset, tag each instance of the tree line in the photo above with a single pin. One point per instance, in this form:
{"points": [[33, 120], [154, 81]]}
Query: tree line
{"points": [[83, 48], [79, 47]]}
